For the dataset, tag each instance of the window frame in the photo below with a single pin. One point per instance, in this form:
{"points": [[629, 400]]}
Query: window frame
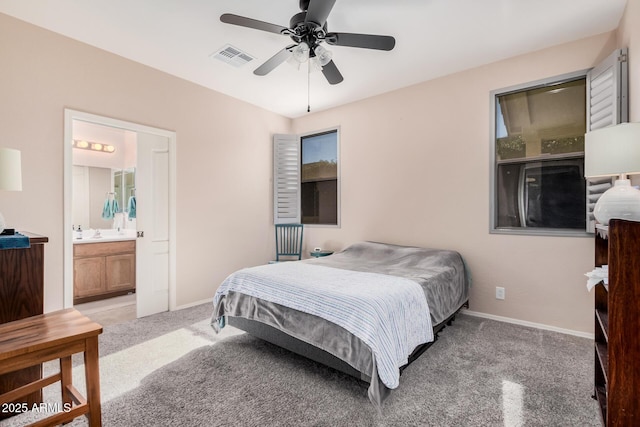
{"points": [[493, 162], [335, 129], [283, 211]]}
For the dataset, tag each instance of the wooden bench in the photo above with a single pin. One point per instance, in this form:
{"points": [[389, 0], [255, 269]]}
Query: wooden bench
{"points": [[58, 335]]}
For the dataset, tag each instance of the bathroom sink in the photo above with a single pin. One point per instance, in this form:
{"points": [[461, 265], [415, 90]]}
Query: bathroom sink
{"points": [[105, 235]]}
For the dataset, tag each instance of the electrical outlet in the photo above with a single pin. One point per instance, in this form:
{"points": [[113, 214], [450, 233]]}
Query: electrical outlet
{"points": [[499, 292]]}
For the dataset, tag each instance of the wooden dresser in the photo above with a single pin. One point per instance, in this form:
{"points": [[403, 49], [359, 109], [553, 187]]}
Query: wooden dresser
{"points": [[22, 295], [617, 324]]}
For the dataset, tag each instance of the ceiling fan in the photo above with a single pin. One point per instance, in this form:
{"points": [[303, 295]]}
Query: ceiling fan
{"points": [[308, 29]]}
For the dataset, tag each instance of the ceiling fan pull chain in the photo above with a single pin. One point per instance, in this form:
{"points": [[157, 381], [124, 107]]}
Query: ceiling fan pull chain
{"points": [[308, 86]]}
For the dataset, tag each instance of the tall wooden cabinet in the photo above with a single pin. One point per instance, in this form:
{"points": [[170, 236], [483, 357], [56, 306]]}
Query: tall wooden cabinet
{"points": [[22, 295], [617, 324]]}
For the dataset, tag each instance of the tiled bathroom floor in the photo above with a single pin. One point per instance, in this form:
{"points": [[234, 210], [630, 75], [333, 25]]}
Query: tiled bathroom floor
{"points": [[110, 311]]}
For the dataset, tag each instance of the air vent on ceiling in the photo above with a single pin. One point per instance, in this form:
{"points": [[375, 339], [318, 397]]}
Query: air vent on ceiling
{"points": [[232, 55]]}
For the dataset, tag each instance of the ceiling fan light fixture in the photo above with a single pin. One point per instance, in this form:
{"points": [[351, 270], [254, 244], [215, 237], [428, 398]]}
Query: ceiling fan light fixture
{"points": [[293, 62], [323, 55], [301, 52], [314, 64]]}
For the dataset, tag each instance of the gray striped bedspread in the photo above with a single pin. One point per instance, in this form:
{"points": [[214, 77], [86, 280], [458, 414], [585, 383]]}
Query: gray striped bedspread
{"points": [[389, 313], [441, 275]]}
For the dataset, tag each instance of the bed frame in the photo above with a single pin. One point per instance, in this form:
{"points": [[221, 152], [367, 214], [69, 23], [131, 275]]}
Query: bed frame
{"points": [[275, 336]]}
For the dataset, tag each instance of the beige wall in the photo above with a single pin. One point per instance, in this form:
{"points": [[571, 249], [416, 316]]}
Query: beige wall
{"points": [[223, 165], [415, 169]]}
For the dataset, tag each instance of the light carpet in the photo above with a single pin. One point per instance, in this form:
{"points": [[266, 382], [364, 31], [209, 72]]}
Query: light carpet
{"points": [[172, 370]]}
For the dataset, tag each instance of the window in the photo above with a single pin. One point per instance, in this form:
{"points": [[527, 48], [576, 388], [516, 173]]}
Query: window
{"points": [[306, 178], [539, 156], [319, 179], [537, 182]]}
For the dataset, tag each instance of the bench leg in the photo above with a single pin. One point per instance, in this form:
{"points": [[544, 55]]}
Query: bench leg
{"points": [[66, 380], [92, 373]]}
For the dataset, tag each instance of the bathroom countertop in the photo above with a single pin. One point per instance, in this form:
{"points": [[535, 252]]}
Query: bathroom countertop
{"points": [[88, 236]]}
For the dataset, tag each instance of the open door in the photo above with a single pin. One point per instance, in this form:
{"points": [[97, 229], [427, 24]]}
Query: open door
{"points": [[152, 245], [156, 195]]}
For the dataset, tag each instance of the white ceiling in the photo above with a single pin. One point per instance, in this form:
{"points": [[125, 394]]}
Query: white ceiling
{"points": [[433, 38]]}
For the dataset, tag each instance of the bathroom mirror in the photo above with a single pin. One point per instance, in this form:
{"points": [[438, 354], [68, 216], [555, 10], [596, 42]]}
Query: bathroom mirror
{"points": [[92, 186]]}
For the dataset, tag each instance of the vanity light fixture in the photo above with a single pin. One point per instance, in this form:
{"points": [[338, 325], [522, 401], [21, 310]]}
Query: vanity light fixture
{"points": [[93, 146]]}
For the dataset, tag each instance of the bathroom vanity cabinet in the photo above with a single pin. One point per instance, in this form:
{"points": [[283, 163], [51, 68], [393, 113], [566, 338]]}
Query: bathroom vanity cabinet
{"points": [[103, 270]]}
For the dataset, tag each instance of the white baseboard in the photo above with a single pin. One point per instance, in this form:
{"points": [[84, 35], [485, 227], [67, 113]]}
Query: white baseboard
{"points": [[529, 324], [193, 304]]}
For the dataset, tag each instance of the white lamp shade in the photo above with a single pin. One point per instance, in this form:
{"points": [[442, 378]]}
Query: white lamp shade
{"points": [[10, 169], [613, 150]]}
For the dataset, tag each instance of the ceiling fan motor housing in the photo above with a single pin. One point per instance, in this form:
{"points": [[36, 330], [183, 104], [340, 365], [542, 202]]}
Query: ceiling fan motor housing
{"points": [[309, 32]]}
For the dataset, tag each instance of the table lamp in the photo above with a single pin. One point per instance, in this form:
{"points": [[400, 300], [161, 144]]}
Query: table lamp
{"points": [[614, 150], [10, 174]]}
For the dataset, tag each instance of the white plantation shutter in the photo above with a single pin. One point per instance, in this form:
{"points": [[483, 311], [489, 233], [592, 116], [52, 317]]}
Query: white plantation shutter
{"points": [[286, 179], [607, 92], [607, 105]]}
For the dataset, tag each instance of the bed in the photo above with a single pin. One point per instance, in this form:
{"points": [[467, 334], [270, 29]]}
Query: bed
{"points": [[368, 310]]}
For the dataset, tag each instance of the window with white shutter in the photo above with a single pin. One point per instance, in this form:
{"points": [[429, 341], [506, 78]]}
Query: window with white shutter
{"points": [[306, 181], [607, 105], [537, 180]]}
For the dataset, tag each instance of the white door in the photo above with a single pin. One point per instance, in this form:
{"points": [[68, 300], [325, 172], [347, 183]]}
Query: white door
{"points": [[152, 217]]}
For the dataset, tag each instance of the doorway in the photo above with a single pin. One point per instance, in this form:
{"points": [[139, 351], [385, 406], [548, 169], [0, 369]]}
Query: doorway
{"points": [[154, 159]]}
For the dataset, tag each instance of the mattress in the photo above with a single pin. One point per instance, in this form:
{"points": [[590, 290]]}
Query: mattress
{"points": [[440, 275]]}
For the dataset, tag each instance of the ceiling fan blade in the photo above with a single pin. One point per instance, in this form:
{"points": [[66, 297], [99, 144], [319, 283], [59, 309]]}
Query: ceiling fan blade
{"points": [[332, 73], [229, 18], [273, 62], [318, 11], [367, 41]]}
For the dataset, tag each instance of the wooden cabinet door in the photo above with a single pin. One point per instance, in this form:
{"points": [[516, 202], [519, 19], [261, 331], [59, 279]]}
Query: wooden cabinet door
{"points": [[120, 272], [89, 276]]}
